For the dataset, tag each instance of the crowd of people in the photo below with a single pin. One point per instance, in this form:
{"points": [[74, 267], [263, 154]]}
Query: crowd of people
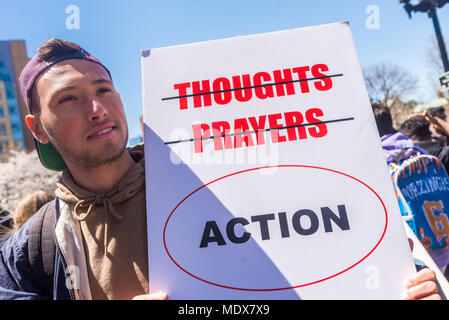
{"points": [[97, 222], [426, 132]]}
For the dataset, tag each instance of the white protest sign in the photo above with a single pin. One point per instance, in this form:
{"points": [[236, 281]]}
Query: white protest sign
{"points": [[265, 174]]}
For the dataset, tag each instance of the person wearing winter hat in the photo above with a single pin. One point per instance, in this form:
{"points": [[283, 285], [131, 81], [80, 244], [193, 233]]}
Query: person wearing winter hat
{"points": [[78, 121]]}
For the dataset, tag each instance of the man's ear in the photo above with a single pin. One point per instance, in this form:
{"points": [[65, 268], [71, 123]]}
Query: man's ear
{"points": [[36, 128]]}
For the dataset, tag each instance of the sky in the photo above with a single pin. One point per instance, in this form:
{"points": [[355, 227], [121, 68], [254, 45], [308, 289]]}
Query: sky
{"points": [[116, 31]]}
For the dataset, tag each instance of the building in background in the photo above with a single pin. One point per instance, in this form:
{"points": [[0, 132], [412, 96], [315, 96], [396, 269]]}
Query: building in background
{"points": [[135, 140], [13, 131], [6, 136]]}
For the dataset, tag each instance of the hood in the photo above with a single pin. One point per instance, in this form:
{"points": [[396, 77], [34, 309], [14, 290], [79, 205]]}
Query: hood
{"points": [[393, 144]]}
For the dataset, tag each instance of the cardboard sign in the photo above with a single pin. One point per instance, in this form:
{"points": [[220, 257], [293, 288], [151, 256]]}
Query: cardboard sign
{"points": [[265, 174]]}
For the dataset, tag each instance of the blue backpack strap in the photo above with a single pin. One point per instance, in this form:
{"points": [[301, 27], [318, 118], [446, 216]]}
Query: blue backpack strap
{"points": [[42, 247]]}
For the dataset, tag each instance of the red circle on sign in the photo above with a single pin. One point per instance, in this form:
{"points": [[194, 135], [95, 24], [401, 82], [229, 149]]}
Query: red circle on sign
{"points": [[285, 288]]}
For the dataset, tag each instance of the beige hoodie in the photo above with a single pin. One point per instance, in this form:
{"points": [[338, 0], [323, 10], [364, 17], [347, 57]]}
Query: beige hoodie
{"points": [[113, 227]]}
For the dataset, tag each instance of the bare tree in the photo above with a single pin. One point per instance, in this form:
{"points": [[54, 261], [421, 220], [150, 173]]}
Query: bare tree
{"points": [[434, 62], [385, 80]]}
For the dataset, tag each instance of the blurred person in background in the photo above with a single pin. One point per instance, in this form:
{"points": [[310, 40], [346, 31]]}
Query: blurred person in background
{"points": [[438, 124], [417, 128], [395, 144], [30, 204]]}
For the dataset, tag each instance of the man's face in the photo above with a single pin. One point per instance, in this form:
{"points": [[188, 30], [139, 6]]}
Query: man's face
{"points": [[82, 114]]}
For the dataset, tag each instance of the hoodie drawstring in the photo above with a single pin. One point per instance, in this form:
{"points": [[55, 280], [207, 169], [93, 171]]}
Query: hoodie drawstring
{"points": [[90, 203]]}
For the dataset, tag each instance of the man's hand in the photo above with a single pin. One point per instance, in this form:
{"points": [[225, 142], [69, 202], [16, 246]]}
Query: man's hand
{"points": [[435, 122], [152, 296], [438, 124], [422, 286]]}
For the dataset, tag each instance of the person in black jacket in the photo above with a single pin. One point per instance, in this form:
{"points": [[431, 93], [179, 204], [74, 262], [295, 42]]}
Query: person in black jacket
{"points": [[417, 128]]}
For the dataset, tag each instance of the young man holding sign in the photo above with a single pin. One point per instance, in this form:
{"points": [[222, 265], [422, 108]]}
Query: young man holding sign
{"points": [[78, 120]]}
